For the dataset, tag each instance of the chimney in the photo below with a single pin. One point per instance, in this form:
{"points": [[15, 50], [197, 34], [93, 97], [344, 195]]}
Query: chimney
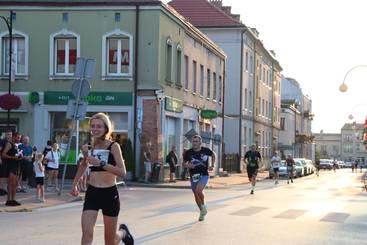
{"points": [[254, 30], [227, 9], [236, 16], [217, 3], [272, 52]]}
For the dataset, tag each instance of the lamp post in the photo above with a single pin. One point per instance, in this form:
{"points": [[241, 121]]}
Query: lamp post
{"points": [[343, 87], [9, 24]]}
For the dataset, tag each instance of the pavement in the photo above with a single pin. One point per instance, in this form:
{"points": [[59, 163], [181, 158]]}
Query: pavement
{"points": [[29, 202]]}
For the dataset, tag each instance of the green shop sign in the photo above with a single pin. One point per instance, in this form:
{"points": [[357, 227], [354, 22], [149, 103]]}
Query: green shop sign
{"points": [[94, 98], [174, 105], [208, 114]]}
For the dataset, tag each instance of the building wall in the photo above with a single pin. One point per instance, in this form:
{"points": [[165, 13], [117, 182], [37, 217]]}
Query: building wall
{"points": [[329, 144], [352, 147]]}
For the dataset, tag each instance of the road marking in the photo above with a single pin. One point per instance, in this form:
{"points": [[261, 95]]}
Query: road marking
{"points": [[249, 211], [291, 214], [335, 217]]}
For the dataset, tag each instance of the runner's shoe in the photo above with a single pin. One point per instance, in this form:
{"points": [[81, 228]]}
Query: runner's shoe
{"points": [[128, 238], [252, 192], [201, 216]]}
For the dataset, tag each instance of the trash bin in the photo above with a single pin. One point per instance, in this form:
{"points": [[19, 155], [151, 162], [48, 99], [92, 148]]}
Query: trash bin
{"points": [[156, 172]]}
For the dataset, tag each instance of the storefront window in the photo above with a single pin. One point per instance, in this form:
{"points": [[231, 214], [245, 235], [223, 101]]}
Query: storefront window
{"points": [[60, 128]]}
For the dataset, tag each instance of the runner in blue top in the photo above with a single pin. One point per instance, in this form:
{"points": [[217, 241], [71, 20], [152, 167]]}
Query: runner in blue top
{"points": [[197, 160]]}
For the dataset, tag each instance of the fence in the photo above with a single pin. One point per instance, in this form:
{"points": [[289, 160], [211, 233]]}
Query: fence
{"points": [[231, 163]]}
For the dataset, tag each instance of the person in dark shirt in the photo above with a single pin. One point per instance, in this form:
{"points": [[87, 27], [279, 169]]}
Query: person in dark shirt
{"points": [[196, 160], [172, 160], [290, 166], [3, 172], [252, 160]]}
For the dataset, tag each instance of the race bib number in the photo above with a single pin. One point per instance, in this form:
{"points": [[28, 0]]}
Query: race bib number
{"points": [[196, 177]]}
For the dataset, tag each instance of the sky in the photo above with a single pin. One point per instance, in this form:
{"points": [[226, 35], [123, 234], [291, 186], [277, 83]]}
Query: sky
{"points": [[316, 42]]}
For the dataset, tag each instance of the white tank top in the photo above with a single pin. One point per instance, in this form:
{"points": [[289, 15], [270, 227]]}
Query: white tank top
{"points": [[37, 170]]}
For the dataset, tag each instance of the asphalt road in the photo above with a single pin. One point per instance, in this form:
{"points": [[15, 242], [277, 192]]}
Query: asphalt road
{"points": [[330, 209]]}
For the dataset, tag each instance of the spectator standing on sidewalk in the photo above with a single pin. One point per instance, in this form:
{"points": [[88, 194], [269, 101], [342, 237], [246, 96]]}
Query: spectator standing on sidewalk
{"points": [[106, 163], [26, 163], [48, 147], [172, 160], [12, 158], [147, 161], [290, 166], [252, 160], [39, 171], [3, 174], [53, 160], [275, 162]]}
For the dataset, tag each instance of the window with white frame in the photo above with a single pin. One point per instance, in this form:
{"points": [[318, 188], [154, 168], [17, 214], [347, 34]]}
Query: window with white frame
{"points": [[220, 89], [208, 89], [169, 60], [178, 65], [19, 54], [64, 50], [117, 48]]}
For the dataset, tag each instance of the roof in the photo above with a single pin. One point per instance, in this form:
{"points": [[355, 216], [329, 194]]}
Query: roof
{"points": [[202, 13], [353, 126], [76, 2]]}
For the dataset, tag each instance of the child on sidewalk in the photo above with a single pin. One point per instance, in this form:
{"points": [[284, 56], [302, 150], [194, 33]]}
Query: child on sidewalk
{"points": [[39, 170]]}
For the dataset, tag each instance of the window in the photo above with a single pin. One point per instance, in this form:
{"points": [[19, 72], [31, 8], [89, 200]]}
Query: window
{"points": [[178, 64], [201, 80], [261, 70], [266, 108], [169, 61], [250, 135], [245, 98], [64, 50], [194, 76], [186, 72], [117, 48], [282, 123], [263, 107], [246, 61], [214, 86], [208, 83], [251, 64], [245, 137], [220, 89], [19, 55], [250, 100]]}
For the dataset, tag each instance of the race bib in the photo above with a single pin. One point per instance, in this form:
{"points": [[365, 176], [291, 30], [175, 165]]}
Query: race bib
{"points": [[196, 177]]}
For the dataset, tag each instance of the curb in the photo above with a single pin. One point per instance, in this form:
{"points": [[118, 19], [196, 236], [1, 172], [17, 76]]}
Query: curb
{"points": [[167, 186]]}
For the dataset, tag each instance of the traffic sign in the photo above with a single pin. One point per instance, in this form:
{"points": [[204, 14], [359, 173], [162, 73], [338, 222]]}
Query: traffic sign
{"points": [[81, 110], [84, 87]]}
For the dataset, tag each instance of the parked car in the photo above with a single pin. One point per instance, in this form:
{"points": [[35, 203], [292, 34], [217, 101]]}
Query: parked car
{"points": [[282, 170], [306, 169], [348, 164], [310, 165], [299, 169], [341, 164], [326, 164]]}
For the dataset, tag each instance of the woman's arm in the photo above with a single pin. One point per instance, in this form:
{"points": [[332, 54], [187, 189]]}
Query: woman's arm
{"points": [[5, 152], [83, 165]]}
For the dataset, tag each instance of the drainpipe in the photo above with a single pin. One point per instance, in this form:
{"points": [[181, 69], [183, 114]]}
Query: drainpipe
{"points": [[137, 165], [241, 102], [223, 101]]}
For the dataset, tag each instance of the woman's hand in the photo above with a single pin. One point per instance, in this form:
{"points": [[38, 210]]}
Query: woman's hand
{"points": [[93, 161], [74, 191], [84, 150]]}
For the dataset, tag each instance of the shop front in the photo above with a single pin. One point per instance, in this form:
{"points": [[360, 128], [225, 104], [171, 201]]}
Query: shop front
{"points": [[51, 123]]}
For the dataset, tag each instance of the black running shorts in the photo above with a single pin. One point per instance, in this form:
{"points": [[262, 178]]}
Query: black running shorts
{"points": [[106, 199]]}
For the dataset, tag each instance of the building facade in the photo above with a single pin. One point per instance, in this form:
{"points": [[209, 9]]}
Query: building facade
{"points": [[296, 115], [242, 91], [328, 146], [352, 148], [144, 52]]}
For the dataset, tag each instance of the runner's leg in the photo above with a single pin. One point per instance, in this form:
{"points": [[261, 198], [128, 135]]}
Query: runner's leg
{"points": [[89, 218], [110, 226]]}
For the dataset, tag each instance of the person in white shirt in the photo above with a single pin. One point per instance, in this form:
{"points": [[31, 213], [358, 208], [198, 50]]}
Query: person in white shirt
{"points": [[39, 171], [53, 160], [275, 162]]}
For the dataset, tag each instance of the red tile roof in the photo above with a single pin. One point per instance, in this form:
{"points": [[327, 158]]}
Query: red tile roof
{"points": [[202, 13]]}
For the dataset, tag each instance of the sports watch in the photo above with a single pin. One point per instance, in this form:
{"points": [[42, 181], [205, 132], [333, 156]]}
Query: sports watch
{"points": [[102, 164]]}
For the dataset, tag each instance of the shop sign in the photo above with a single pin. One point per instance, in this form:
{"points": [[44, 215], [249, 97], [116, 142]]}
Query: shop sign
{"points": [[174, 105], [208, 114], [94, 98]]}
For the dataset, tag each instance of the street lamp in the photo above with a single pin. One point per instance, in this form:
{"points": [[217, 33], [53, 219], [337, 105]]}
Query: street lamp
{"points": [[343, 87], [9, 24]]}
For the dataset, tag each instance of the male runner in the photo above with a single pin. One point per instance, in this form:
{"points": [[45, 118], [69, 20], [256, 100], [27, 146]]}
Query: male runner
{"points": [[196, 160], [252, 160]]}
